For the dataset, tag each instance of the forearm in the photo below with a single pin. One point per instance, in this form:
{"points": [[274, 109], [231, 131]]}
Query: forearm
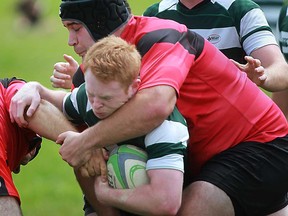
{"points": [[162, 196], [145, 111], [275, 67], [277, 77], [49, 122], [53, 96]]}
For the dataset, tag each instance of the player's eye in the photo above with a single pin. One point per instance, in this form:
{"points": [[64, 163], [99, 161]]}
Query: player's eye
{"points": [[107, 98]]}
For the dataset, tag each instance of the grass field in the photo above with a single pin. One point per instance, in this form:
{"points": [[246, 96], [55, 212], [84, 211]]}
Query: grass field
{"points": [[47, 185]]}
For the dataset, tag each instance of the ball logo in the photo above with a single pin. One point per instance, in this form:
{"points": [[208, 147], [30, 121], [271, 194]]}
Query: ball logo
{"points": [[127, 167], [136, 171]]}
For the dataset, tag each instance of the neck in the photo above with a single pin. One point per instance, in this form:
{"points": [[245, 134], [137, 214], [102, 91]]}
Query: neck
{"points": [[118, 32], [190, 3]]}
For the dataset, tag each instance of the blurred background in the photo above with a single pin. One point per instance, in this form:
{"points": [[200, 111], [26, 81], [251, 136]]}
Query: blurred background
{"points": [[30, 46]]}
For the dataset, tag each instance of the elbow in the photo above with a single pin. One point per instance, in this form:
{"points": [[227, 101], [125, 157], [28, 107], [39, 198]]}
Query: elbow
{"points": [[167, 206], [170, 209]]}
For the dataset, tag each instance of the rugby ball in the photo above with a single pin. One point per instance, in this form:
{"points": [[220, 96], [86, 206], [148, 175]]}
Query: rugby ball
{"points": [[127, 167]]}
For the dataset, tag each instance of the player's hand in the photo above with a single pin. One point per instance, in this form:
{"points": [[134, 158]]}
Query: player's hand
{"points": [[27, 98], [63, 73], [253, 69], [74, 149], [102, 189], [96, 166]]}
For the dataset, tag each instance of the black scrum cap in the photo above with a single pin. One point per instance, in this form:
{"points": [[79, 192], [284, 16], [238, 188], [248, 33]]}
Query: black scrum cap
{"points": [[100, 17]]}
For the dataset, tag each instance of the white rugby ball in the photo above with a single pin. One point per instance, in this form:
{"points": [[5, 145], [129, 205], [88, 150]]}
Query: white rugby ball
{"points": [[127, 167]]}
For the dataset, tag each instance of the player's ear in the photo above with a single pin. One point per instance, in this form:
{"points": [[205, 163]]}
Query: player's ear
{"points": [[133, 88]]}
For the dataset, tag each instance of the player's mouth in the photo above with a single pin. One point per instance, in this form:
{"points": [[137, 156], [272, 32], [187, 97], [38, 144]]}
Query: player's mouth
{"points": [[82, 54], [100, 115]]}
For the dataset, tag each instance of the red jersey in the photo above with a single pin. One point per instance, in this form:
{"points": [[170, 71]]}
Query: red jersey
{"points": [[15, 142], [221, 105]]}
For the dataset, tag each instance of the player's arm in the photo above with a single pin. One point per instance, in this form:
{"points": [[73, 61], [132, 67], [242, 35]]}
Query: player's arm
{"points": [[275, 68], [281, 99], [29, 97], [146, 110], [162, 196], [49, 125]]}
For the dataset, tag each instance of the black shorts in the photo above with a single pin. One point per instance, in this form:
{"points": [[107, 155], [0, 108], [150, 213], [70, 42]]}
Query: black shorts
{"points": [[254, 175]]}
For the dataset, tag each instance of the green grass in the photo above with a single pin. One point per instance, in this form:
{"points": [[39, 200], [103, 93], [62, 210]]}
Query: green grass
{"points": [[47, 185]]}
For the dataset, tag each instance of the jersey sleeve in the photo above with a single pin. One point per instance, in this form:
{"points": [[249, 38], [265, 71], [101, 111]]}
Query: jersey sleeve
{"points": [[166, 145], [283, 31], [72, 104], [152, 10], [252, 25], [167, 56]]}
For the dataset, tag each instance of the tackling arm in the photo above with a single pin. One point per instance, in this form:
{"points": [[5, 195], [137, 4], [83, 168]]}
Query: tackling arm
{"points": [[146, 110]]}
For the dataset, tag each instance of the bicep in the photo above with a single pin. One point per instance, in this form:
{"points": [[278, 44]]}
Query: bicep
{"points": [[269, 55], [166, 182]]}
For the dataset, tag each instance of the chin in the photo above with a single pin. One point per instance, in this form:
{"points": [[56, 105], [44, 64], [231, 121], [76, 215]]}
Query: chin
{"points": [[101, 116]]}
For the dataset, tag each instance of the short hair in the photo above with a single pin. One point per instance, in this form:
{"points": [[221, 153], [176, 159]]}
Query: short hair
{"points": [[113, 59]]}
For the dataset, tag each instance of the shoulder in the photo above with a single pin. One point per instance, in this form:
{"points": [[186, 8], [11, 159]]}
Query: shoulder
{"points": [[77, 98], [283, 17], [151, 10], [159, 7], [240, 4], [7, 82]]}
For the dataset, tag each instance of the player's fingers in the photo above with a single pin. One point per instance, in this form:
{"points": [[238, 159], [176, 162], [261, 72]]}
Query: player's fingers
{"points": [[61, 74], [240, 66], [60, 71], [70, 60], [60, 139], [84, 172], [105, 154], [263, 77], [61, 66], [32, 108], [260, 69], [248, 58], [257, 62], [17, 111], [57, 83], [103, 170], [90, 168]]}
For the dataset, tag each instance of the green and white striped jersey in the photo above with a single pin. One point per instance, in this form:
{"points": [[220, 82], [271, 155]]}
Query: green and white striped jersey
{"points": [[236, 27], [283, 29], [165, 145]]}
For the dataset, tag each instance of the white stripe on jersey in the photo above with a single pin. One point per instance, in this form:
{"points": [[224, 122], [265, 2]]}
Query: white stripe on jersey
{"points": [[252, 17], [252, 42], [172, 161], [167, 132], [167, 5], [224, 38]]}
